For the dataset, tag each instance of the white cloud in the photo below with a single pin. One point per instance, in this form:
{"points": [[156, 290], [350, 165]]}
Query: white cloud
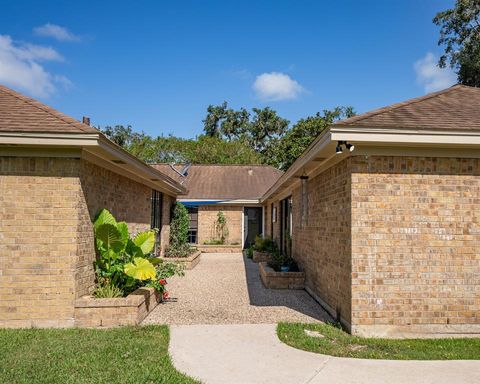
{"points": [[20, 67], [275, 86], [56, 32], [431, 76]]}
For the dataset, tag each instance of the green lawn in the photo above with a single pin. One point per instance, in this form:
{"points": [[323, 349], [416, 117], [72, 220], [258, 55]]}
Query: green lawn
{"points": [[336, 342], [120, 355]]}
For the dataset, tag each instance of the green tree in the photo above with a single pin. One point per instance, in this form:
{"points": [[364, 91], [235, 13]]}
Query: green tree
{"points": [[257, 130], [300, 136], [460, 35]]}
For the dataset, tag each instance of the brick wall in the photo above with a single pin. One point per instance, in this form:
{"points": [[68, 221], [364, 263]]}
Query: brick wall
{"points": [[207, 216], [38, 240], [321, 242], [46, 234], [416, 245]]}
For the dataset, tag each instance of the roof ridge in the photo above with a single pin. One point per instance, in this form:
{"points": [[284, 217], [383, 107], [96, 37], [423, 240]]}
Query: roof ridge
{"points": [[47, 109], [394, 106]]}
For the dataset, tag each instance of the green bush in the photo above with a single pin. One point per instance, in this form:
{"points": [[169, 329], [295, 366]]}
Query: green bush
{"points": [[279, 259], [250, 252], [265, 244], [179, 246]]}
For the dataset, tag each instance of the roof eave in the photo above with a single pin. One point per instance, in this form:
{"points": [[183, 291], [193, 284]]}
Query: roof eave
{"points": [[98, 145]]}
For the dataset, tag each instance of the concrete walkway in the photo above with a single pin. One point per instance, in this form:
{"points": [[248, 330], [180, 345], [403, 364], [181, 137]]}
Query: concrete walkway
{"points": [[252, 353], [226, 289]]}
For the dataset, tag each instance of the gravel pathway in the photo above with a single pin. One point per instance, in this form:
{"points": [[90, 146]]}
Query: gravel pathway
{"points": [[226, 289]]}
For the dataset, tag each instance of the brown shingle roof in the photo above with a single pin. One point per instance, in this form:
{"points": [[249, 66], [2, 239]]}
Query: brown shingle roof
{"points": [[454, 108], [224, 181], [23, 114]]}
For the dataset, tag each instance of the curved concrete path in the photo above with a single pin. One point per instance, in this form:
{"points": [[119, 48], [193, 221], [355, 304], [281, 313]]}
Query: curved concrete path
{"points": [[253, 354]]}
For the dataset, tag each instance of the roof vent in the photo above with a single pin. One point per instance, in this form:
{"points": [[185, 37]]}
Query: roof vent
{"points": [[86, 120]]}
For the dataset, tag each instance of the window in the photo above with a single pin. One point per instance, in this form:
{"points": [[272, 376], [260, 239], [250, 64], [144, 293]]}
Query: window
{"points": [[156, 216], [157, 202], [193, 225]]}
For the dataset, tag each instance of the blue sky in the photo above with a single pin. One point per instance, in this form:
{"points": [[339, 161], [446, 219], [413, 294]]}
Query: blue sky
{"points": [[157, 65]]}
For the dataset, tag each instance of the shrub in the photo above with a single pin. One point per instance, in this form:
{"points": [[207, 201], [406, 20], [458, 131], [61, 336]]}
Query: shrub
{"points": [[279, 259], [265, 244], [179, 246], [250, 252], [123, 263], [221, 229]]}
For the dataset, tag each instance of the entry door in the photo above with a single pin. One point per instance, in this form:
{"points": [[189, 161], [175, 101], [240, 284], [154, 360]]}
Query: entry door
{"points": [[252, 225]]}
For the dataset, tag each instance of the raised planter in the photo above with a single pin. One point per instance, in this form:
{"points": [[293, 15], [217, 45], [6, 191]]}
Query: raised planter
{"points": [[226, 248], [259, 257], [189, 262], [130, 310], [281, 280]]}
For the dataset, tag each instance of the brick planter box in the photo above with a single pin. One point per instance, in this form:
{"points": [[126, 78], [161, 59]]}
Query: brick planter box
{"points": [[220, 248], [130, 310], [259, 257], [281, 280], [189, 262]]}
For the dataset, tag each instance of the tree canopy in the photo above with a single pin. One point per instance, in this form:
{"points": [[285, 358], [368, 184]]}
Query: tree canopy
{"points": [[232, 137], [460, 35]]}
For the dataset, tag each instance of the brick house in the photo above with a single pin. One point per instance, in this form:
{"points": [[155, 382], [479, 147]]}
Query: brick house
{"points": [[382, 212], [234, 190], [55, 174]]}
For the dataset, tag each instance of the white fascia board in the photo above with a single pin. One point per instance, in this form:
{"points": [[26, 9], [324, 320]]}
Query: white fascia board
{"points": [[410, 137], [49, 139]]}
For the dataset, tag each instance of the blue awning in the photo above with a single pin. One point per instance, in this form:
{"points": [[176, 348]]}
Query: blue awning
{"points": [[203, 202]]}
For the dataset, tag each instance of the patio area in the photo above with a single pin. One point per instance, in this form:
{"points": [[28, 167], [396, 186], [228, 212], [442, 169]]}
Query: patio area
{"points": [[226, 289]]}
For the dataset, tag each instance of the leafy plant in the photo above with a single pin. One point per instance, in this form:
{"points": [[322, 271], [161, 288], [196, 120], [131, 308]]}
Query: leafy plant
{"points": [[140, 269], [123, 263], [221, 229], [107, 291], [250, 252], [164, 271], [278, 260], [265, 244], [179, 246]]}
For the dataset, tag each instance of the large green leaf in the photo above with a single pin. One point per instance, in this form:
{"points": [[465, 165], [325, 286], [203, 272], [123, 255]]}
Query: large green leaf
{"points": [[133, 250], [146, 241], [110, 237], [140, 269], [123, 229], [103, 217]]}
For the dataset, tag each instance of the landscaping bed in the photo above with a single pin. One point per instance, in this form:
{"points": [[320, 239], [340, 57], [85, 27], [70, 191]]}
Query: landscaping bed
{"points": [[81, 356], [328, 339], [188, 262], [112, 312], [281, 280]]}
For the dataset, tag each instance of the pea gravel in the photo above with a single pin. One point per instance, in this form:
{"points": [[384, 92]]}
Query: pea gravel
{"points": [[226, 289]]}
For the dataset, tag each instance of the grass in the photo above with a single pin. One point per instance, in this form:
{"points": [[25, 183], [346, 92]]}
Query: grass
{"points": [[120, 355], [336, 342]]}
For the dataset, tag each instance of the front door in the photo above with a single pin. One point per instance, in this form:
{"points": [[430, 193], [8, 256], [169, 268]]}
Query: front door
{"points": [[252, 225]]}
